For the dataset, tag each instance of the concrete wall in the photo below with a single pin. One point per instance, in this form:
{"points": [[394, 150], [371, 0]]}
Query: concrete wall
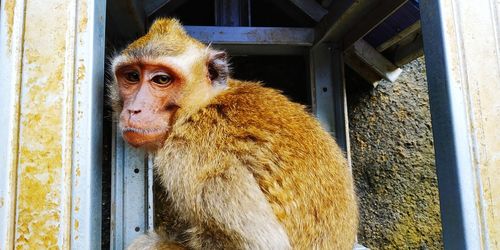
{"points": [[393, 161]]}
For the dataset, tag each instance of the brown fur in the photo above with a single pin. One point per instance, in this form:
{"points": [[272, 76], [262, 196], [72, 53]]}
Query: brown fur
{"points": [[248, 169]]}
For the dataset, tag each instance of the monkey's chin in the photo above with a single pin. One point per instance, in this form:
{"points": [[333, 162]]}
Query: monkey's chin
{"points": [[146, 140]]}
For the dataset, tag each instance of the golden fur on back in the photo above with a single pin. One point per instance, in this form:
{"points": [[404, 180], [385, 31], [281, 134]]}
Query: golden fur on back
{"points": [[297, 165]]}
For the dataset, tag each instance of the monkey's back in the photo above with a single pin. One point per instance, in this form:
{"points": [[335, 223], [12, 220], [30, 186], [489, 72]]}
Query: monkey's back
{"points": [[297, 164]]}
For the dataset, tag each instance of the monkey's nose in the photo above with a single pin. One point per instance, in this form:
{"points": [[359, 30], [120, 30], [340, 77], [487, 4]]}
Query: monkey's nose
{"points": [[134, 111]]}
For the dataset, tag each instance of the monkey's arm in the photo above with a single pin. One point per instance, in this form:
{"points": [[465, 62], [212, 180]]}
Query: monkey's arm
{"points": [[234, 201]]}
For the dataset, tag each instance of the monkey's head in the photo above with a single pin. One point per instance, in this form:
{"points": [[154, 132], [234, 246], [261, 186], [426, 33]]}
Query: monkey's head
{"points": [[162, 78]]}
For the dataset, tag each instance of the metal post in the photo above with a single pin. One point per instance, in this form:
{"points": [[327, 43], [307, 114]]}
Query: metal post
{"points": [[329, 100], [132, 200], [321, 66], [340, 101], [463, 71], [328, 92], [232, 13]]}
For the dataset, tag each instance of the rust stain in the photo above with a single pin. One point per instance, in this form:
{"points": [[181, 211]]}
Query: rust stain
{"points": [[77, 205], [2, 202], [38, 205], [81, 73], [40, 191], [77, 224], [82, 25], [9, 12]]}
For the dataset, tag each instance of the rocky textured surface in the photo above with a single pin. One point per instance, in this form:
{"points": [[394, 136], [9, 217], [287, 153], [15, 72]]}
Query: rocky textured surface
{"points": [[393, 161]]}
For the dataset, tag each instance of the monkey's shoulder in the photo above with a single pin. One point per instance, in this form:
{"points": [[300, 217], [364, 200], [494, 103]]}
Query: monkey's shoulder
{"points": [[252, 103], [248, 112]]}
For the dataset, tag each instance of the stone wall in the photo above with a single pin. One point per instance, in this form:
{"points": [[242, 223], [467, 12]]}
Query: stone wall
{"points": [[393, 161]]}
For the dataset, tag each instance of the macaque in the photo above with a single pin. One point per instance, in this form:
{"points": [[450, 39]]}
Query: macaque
{"points": [[242, 166]]}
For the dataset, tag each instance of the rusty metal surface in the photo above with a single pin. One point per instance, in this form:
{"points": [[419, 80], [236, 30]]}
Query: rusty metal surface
{"points": [[45, 109]]}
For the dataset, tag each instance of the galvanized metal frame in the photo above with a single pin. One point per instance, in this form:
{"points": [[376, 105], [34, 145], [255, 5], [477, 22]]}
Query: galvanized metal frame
{"points": [[132, 193]]}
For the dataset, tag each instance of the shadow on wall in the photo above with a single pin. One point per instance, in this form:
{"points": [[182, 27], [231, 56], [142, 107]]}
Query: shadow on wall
{"points": [[393, 161]]}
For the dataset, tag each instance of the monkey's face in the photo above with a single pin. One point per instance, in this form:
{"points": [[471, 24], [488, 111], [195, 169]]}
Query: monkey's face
{"points": [[160, 77], [150, 94]]}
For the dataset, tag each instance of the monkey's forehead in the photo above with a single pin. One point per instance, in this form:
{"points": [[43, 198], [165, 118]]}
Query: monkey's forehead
{"points": [[181, 61], [166, 37], [162, 42]]}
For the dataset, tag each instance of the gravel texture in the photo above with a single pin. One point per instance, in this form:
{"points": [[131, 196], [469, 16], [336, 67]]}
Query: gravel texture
{"points": [[393, 161]]}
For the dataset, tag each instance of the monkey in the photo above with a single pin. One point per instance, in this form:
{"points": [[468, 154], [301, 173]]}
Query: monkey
{"points": [[242, 166]]}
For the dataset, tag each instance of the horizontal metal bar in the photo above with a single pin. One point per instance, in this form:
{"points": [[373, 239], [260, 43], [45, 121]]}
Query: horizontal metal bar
{"points": [[376, 61], [409, 52], [253, 35], [311, 8], [359, 66], [341, 17], [242, 50], [376, 16], [411, 30]]}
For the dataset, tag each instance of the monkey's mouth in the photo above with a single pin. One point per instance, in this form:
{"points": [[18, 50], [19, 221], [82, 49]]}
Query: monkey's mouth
{"points": [[145, 131], [145, 137]]}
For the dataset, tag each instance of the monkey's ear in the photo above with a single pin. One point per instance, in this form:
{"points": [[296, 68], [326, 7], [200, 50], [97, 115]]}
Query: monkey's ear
{"points": [[218, 67]]}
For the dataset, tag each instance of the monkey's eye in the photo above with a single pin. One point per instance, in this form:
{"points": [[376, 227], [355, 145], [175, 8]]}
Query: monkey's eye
{"points": [[132, 76], [162, 79]]}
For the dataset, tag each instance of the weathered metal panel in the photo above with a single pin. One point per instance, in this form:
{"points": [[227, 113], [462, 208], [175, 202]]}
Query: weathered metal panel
{"points": [[44, 146], [462, 47]]}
